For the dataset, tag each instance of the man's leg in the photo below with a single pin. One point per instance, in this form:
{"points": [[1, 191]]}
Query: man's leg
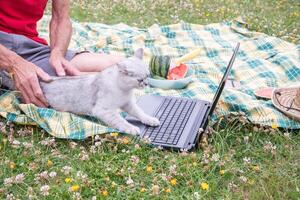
{"points": [[94, 62]]}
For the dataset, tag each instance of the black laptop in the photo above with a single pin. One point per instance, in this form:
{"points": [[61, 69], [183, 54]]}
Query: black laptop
{"points": [[181, 119]]}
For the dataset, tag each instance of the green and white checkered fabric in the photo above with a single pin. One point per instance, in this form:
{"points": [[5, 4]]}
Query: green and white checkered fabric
{"points": [[263, 61]]}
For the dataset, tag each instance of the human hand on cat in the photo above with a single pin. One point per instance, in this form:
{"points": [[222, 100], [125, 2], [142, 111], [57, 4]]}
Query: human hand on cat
{"points": [[25, 76], [62, 66]]}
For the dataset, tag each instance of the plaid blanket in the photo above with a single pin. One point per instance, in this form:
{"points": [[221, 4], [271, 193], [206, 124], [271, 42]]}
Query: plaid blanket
{"points": [[263, 61]]}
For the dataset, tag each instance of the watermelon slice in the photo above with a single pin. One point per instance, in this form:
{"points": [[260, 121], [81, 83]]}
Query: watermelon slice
{"points": [[177, 72]]}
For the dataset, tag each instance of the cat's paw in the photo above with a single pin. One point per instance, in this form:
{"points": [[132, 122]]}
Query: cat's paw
{"points": [[151, 121], [133, 130]]}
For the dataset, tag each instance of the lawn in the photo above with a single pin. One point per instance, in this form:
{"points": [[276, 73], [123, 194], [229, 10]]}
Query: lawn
{"points": [[236, 161]]}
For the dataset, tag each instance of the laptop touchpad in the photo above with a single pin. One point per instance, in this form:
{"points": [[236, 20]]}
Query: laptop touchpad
{"points": [[149, 104]]}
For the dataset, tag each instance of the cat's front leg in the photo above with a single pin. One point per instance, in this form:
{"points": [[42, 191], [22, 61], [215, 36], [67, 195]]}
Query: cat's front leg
{"points": [[113, 119], [135, 111]]}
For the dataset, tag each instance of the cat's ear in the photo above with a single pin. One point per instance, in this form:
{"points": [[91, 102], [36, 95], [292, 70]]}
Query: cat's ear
{"points": [[139, 53]]}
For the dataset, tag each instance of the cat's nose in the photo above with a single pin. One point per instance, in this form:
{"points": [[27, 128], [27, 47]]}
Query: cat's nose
{"points": [[146, 81], [143, 82]]}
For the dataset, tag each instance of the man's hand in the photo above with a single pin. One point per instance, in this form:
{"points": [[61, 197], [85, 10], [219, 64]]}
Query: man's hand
{"points": [[25, 76], [62, 66]]}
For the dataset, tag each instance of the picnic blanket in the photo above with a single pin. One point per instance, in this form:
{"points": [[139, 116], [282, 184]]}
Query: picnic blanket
{"points": [[263, 61]]}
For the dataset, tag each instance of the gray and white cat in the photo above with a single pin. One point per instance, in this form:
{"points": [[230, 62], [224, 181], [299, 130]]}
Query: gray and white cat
{"points": [[102, 94]]}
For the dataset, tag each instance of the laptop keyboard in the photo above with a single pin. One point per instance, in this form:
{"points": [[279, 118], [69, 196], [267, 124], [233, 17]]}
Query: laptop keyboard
{"points": [[173, 116]]}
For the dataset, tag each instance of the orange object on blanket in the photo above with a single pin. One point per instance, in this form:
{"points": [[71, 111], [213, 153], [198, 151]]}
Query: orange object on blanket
{"points": [[177, 72]]}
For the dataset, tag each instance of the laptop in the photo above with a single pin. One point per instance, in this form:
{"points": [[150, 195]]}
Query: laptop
{"points": [[182, 120]]}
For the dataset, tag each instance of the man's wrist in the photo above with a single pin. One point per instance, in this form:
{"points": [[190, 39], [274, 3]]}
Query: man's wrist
{"points": [[57, 52], [13, 61]]}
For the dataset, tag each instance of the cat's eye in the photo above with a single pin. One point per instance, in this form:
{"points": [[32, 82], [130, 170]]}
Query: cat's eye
{"points": [[130, 74]]}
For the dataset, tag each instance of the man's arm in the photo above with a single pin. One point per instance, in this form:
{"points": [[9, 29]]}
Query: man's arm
{"points": [[25, 76], [60, 35]]}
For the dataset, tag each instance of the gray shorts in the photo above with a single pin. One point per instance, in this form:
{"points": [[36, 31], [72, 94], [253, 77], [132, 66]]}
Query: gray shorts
{"points": [[31, 51]]}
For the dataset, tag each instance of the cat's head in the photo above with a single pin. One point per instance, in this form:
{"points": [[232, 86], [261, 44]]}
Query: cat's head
{"points": [[133, 71]]}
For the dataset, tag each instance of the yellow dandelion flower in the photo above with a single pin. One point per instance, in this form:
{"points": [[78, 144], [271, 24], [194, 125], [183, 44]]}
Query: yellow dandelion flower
{"points": [[125, 140], [168, 190], [204, 186], [115, 134], [173, 181], [4, 140], [274, 126], [68, 180], [251, 182], [74, 188], [113, 184], [149, 169], [104, 193], [12, 165], [256, 168], [194, 164], [222, 172], [143, 190], [49, 163]]}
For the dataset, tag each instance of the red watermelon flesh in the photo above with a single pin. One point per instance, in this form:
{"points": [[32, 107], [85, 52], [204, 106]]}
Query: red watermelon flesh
{"points": [[177, 72]]}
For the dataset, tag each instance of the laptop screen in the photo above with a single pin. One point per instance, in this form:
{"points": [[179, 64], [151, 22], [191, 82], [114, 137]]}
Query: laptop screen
{"points": [[223, 81]]}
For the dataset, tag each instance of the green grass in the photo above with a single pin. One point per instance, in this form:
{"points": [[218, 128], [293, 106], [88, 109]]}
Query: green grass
{"points": [[268, 174], [280, 18], [258, 163]]}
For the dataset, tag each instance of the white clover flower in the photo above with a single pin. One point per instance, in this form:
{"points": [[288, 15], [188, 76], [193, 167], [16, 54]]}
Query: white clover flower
{"points": [[286, 134], [52, 174], [246, 139], [155, 189], [172, 169], [243, 179], [10, 197], [45, 190], [98, 144], [27, 145], [196, 195], [93, 149], [129, 181], [269, 146], [8, 181], [164, 177], [48, 142], [215, 157], [16, 142], [66, 170], [84, 156], [76, 196], [97, 138], [81, 175], [247, 160], [19, 178], [72, 145], [44, 175], [135, 159]]}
